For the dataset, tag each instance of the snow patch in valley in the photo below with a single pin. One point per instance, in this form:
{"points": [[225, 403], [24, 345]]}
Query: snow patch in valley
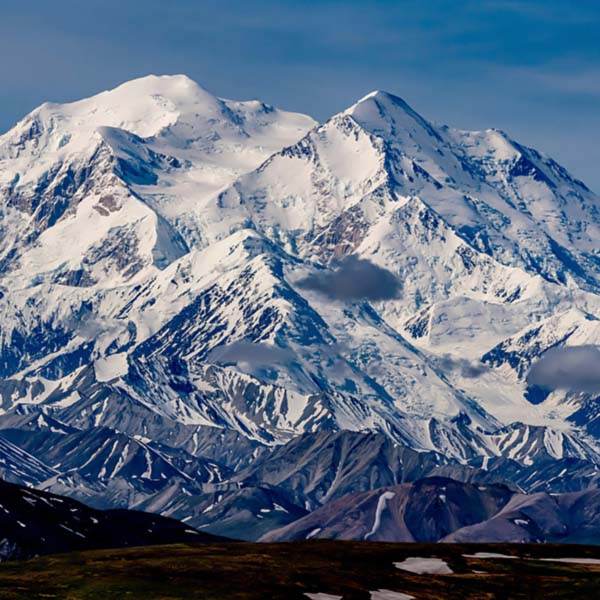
{"points": [[578, 561], [489, 555], [422, 566], [493, 555], [389, 595]]}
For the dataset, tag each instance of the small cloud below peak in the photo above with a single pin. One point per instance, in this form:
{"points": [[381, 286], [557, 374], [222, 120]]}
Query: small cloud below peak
{"points": [[354, 279], [570, 368]]}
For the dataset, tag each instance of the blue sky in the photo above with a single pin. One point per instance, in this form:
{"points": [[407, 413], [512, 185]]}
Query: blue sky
{"points": [[531, 67]]}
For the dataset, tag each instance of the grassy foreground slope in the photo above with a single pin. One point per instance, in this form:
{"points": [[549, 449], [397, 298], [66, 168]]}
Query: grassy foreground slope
{"points": [[287, 571]]}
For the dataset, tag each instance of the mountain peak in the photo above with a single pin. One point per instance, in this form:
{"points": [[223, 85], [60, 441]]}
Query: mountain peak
{"points": [[384, 100], [375, 94], [385, 114], [143, 106], [176, 87]]}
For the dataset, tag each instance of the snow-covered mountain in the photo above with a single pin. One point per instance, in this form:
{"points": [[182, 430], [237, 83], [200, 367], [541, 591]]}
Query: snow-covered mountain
{"points": [[161, 330]]}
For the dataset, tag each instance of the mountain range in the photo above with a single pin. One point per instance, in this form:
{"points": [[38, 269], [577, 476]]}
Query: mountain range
{"points": [[234, 315]]}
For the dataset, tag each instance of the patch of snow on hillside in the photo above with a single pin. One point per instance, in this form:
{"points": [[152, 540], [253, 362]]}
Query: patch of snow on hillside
{"points": [[421, 566], [578, 561], [381, 504], [489, 555], [389, 595]]}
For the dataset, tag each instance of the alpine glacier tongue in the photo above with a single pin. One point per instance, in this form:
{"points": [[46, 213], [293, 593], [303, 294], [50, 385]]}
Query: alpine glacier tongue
{"points": [[153, 243]]}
